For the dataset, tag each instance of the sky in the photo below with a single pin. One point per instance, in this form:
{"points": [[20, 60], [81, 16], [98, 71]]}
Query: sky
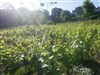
{"points": [[34, 4]]}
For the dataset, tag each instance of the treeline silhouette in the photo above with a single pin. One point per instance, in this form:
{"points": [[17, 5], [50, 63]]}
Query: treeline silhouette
{"points": [[9, 16]]}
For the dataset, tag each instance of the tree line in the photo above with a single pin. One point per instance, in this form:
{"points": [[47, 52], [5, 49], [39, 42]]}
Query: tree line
{"points": [[9, 16], [87, 11]]}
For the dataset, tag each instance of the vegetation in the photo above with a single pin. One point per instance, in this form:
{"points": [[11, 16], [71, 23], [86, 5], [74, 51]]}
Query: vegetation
{"points": [[88, 8], [37, 43], [9, 16], [62, 49]]}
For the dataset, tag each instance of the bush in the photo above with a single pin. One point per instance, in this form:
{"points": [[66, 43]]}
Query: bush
{"points": [[50, 22]]}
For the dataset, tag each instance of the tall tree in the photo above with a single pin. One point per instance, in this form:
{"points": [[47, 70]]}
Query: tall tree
{"points": [[65, 15], [7, 15], [88, 8], [56, 14], [23, 15], [78, 11], [41, 16], [45, 15]]}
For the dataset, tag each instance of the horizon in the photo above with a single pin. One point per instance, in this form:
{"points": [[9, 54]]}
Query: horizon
{"points": [[35, 5]]}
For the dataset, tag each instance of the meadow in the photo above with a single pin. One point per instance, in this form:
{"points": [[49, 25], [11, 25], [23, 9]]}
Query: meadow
{"points": [[71, 48]]}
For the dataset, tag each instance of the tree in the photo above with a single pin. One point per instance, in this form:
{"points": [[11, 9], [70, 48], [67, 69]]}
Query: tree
{"points": [[78, 11], [45, 15], [7, 15], [65, 15], [23, 14], [88, 8], [41, 16], [56, 14]]}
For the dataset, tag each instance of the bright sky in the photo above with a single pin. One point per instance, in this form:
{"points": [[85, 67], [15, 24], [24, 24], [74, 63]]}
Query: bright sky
{"points": [[23, 3], [34, 4]]}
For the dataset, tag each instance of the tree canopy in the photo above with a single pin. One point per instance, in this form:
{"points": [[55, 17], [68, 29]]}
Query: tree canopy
{"points": [[88, 7], [9, 16]]}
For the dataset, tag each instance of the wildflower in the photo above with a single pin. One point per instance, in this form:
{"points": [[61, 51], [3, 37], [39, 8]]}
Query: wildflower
{"points": [[41, 59], [80, 41], [45, 65], [51, 57]]}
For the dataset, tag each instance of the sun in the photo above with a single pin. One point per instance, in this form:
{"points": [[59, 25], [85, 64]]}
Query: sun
{"points": [[30, 4]]}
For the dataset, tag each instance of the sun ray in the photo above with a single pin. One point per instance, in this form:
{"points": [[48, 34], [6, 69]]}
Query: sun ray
{"points": [[22, 3]]}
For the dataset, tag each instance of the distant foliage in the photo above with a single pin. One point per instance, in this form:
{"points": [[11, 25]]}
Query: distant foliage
{"points": [[78, 11], [88, 7], [90, 10], [50, 22], [65, 15], [11, 17]]}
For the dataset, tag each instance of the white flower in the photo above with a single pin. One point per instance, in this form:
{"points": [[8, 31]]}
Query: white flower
{"points": [[41, 59], [42, 53], [58, 69], [53, 46], [21, 58], [39, 44], [45, 65], [43, 38], [80, 41], [51, 57], [22, 55]]}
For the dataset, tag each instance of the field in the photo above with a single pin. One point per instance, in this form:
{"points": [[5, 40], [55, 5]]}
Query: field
{"points": [[61, 49]]}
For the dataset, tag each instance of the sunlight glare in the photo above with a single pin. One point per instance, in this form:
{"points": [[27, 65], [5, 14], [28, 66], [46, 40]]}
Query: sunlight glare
{"points": [[30, 4]]}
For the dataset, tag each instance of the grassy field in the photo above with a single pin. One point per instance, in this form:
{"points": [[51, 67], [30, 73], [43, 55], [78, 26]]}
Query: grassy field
{"points": [[61, 49]]}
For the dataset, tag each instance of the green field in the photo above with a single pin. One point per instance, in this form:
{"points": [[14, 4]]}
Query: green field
{"points": [[61, 49]]}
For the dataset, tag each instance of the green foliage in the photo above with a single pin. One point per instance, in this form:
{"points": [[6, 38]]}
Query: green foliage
{"points": [[50, 50], [78, 11], [88, 8], [65, 15], [50, 22]]}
